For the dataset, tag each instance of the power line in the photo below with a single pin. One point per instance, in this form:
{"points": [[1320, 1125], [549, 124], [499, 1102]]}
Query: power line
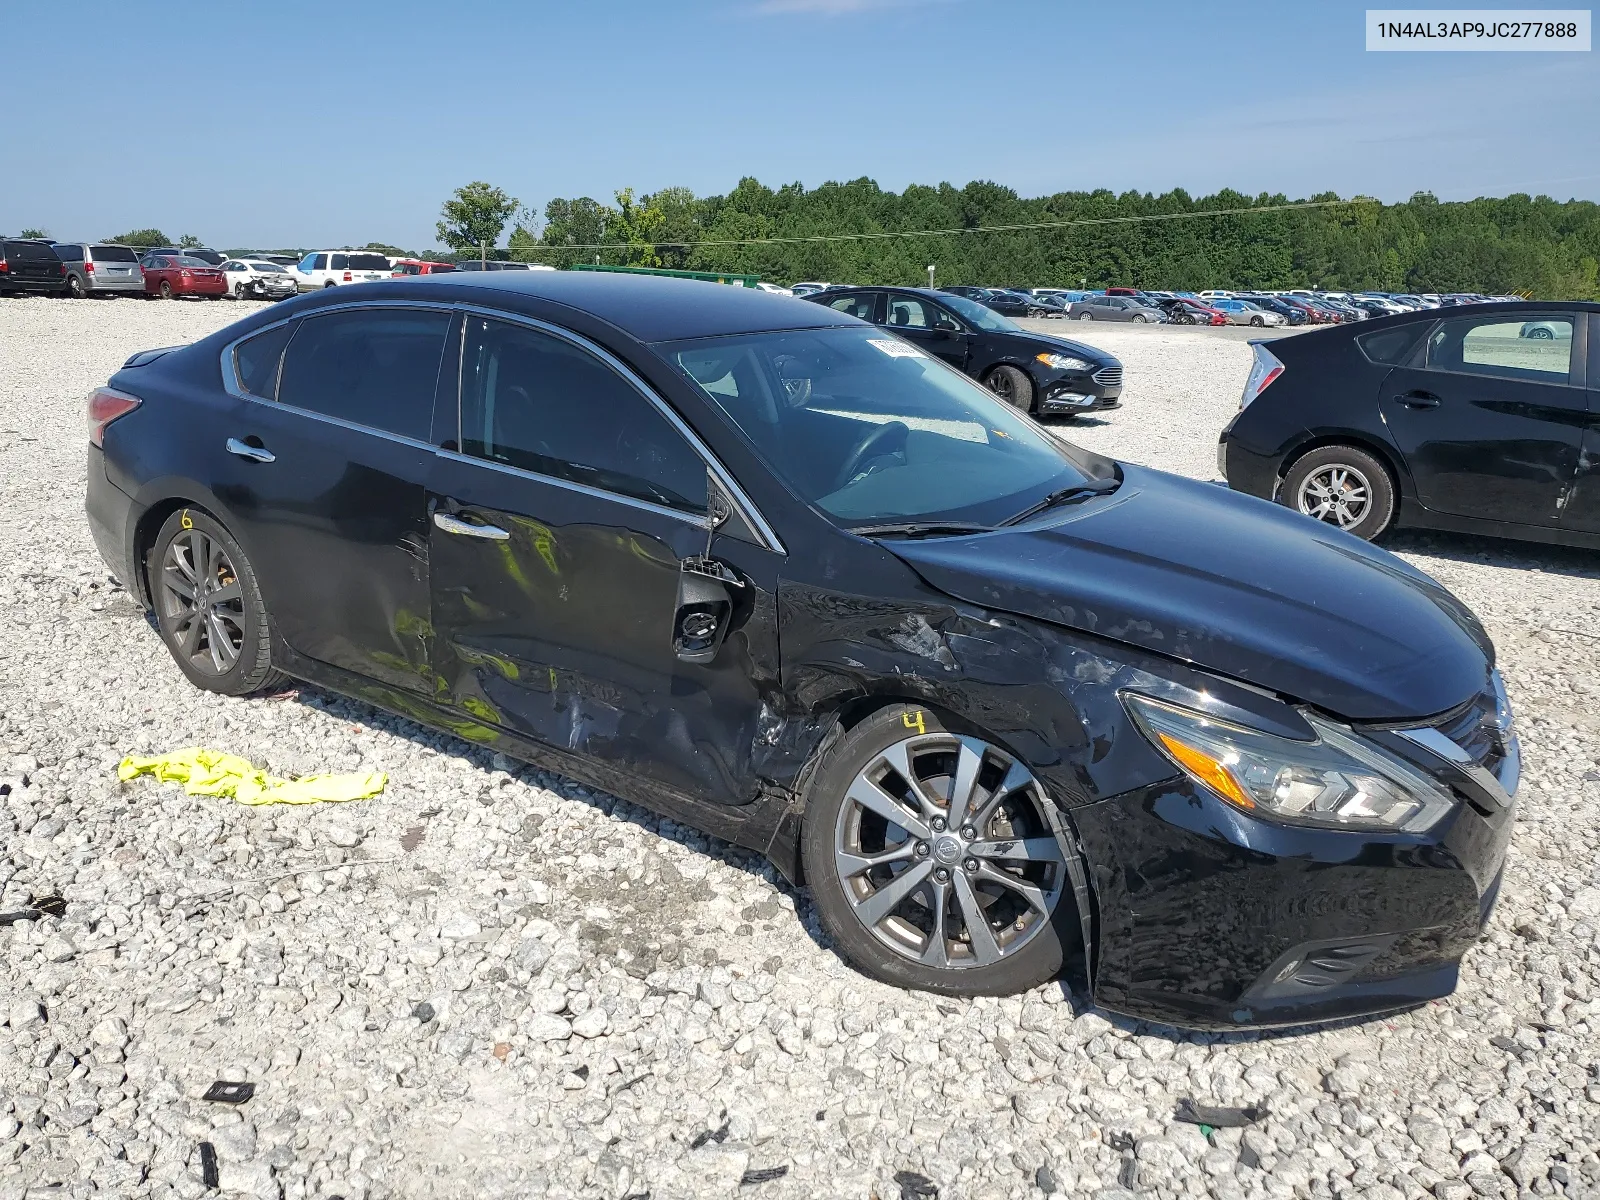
{"points": [[911, 233]]}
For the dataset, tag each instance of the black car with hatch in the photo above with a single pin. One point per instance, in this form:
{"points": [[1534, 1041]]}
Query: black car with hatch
{"points": [[1482, 419], [31, 265], [1035, 372], [786, 577]]}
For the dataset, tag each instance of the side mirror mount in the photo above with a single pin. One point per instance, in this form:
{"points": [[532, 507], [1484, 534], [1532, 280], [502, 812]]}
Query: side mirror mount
{"points": [[706, 589]]}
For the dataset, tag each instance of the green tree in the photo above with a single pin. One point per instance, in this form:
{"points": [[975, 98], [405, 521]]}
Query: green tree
{"points": [[189, 240], [476, 215], [34, 233], [141, 237]]}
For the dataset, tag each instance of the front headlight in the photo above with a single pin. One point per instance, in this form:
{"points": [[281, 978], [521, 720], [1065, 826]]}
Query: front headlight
{"points": [[1062, 362], [1338, 780]]}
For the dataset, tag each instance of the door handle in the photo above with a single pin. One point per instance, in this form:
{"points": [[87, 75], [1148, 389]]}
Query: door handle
{"points": [[451, 524], [245, 450], [1420, 400]]}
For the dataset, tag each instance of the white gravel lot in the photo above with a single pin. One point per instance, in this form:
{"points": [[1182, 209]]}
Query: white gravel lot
{"points": [[489, 982]]}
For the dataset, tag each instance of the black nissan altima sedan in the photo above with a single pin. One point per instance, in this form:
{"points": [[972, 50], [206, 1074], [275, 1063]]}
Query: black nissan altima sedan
{"points": [[1034, 372], [1479, 419], [782, 575]]}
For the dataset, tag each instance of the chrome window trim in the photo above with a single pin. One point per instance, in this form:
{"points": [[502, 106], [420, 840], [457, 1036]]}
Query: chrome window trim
{"points": [[698, 520], [752, 515]]}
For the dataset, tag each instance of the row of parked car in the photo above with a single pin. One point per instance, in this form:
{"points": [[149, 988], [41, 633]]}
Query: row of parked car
{"points": [[80, 269], [1260, 309]]}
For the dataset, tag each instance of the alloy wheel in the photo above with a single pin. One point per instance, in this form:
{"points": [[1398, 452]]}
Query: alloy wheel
{"points": [[1337, 493], [1000, 384], [944, 853], [203, 602]]}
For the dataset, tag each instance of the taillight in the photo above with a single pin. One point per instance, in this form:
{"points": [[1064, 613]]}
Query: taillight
{"points": [[88, 267], [61, 268], [183, 275], [4, 265], [104, 406], [348, 278], [1266, 368]]}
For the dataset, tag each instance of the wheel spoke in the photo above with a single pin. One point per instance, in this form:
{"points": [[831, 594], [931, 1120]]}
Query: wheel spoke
{"points": [[969, 762], [188, 634], [937, 951], [227, 594], [178, 585], [1036, 899], [873, 798], [985, 949], [183, 561], [1034, 849], [887, 898], [216, 640], [1016, 777], [898, 756], [851, 865]]}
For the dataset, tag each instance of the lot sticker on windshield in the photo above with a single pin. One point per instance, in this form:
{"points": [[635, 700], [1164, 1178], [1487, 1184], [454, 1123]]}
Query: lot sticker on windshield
{"points": [[895, 348]]}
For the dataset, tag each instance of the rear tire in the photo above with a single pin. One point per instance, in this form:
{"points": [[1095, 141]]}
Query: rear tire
{"points": [[1341, 486], [328, 285], [166, 290], [924, 935], [1012, 385], [208, 606], [1085, 316], [75, 288]]}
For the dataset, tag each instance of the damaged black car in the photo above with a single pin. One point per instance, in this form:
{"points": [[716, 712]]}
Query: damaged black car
{"points": [[1008, 708]]}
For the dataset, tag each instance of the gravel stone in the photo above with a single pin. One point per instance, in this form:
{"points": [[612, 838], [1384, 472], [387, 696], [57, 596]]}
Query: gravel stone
{"points": [[493, 982]]}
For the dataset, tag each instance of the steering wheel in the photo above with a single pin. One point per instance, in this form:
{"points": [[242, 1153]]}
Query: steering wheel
{"points": [[885, 439]]}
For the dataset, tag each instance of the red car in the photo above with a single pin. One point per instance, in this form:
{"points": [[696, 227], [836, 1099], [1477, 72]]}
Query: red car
{"points": [[417, 266], [173, 275]]}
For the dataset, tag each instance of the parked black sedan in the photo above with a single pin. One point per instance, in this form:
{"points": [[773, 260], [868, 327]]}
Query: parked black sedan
{"points": [[1479, 419], [1035, 372], [782, 575]]}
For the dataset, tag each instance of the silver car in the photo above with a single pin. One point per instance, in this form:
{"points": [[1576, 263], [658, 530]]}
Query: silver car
{"points": [[97, 268], [1115, 308], [1242, 312]]}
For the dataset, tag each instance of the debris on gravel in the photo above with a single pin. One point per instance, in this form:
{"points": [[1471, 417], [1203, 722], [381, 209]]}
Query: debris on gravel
{"points": [[493, 982]]}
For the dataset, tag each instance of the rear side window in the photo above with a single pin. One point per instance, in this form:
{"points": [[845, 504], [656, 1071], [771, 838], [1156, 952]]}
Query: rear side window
{"points": [[339, 262], [255, 361], [536, 402], [69, 253], [113, 254], [1391, 347], [1531, 349], [856, 306], [373, 366]]}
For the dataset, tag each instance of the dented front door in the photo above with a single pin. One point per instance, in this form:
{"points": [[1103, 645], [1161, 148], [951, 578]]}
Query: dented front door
{"points": [[553, 617]]}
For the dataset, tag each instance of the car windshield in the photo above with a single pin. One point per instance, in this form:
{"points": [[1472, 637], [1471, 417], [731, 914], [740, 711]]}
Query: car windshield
{"points": [[871, 430], [189, 260], [981, 316]]}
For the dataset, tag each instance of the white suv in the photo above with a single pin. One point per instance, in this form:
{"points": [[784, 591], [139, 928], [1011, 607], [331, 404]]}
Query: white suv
{"points": [[329, 268]]}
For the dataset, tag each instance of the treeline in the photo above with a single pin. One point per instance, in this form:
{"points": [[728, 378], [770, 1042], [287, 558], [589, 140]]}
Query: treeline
{"points": [[1516, 244]]}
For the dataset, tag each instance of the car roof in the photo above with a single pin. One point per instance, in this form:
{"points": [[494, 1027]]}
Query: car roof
{"points": [[651, 308]]}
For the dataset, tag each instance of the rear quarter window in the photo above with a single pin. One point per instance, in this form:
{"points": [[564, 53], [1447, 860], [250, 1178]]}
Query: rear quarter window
{"points": [[256, 361], [1389, 347]]}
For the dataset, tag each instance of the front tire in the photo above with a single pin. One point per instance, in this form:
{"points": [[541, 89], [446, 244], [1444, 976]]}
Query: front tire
{"points": [[1012, 385], [1140, 318], [1257, 322], [931, 860], [238, 291], [208, 605], [1341, 486]]}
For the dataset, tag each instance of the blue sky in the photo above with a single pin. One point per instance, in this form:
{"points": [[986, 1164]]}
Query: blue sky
{"points": [[304, 123]]}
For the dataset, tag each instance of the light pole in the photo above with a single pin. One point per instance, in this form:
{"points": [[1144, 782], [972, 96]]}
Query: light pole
{"points": [[930, 277]]}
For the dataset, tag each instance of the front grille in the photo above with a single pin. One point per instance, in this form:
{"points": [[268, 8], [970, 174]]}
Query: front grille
{"points": [[1108, 376], [1473, 728]]}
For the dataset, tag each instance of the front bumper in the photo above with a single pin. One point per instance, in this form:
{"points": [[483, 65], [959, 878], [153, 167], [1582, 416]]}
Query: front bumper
{"points": [[1212, 919], [1082, 391]]}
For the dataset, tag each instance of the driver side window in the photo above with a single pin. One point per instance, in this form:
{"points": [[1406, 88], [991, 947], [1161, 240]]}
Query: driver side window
{"points": [[541, 404]]}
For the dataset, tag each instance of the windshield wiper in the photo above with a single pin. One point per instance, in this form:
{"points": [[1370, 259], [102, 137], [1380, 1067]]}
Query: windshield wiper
{"points": [[920, 529], [1070, 495]]}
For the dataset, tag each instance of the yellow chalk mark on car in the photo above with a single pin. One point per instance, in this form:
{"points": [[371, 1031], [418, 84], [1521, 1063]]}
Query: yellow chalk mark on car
{"points": [[915, 721]]}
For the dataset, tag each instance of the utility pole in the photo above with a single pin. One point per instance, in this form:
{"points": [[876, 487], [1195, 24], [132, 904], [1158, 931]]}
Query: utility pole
{"points": [[930, 277], [483, 256]]}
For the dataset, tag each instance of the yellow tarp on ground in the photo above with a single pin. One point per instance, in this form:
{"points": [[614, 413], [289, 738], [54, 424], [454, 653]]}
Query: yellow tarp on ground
{"points": [[216, 773]]}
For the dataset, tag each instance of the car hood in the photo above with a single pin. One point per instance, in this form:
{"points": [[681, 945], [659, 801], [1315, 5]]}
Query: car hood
{"points": [[1044, 341], [1233, 584]]}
